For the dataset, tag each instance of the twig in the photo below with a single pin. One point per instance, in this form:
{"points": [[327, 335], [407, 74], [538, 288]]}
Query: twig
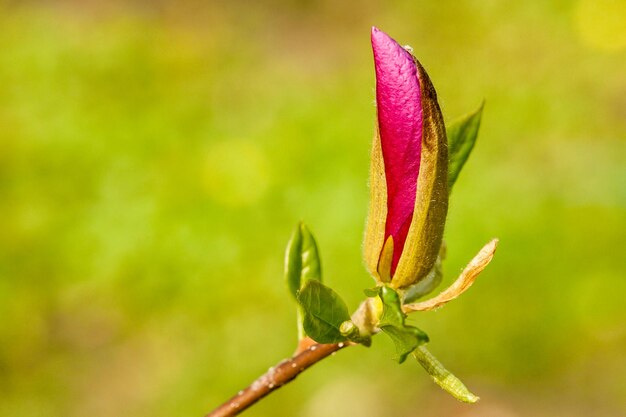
{"points": [[277, 376]]}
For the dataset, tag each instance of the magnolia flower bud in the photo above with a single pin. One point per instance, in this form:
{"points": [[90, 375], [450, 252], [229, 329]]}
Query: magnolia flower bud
{"points": [[409, 169]]}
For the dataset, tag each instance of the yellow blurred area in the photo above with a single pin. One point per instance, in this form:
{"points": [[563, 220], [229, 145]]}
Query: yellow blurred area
{"points": [[602, 23], [236, 173]]}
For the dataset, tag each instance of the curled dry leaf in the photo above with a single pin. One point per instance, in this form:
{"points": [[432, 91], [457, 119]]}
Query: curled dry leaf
{"points": [[463, 282]]}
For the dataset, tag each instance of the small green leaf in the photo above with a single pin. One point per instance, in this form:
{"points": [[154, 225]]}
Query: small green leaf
{"points": [[406, 340], [302, 261], [462, 135], [372, 292], [392, 312], [442, 377], [324, 312], [392, 323]]}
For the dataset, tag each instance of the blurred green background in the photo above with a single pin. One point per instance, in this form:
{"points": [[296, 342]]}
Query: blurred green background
{"points": [[155, 156]]}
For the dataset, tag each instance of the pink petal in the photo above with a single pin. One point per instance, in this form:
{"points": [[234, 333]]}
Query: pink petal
{"points": [[400, 120]]}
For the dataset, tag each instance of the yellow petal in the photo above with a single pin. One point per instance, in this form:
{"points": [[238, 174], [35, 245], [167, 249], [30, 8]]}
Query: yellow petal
{"points": [[386, 258]]}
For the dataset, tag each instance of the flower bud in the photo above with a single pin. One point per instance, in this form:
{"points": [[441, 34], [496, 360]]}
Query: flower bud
{"points": [[409, 169]]}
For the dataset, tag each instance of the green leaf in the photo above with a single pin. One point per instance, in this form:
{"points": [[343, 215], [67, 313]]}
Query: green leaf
{"points": [[372, 292], [462, 135], [442, 377], [302, 261], [392, 323], [324, 312]]}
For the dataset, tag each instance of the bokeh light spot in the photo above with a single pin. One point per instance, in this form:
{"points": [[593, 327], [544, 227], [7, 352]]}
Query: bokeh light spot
{"points": [[601, 24]]}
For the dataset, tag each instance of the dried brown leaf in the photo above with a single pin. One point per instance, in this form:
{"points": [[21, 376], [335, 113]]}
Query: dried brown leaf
{"points": [[463, 282]]}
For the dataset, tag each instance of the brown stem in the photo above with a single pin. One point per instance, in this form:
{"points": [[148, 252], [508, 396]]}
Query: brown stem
{"points": [[277, 376]]}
